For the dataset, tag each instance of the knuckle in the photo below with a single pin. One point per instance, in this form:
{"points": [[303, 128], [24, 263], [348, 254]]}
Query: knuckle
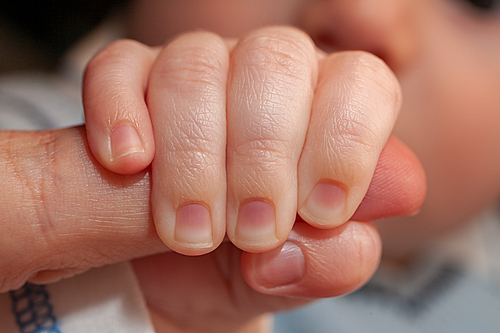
{"points": [[35, 171], [194, 58], [264, 155], [364, 114], [109, 80], [36, 175], [371, 74], [356, 131], [352, 146], [198, 135], [195, 156], [277, 50], [196, 159], [121, 49], [46, 187]]}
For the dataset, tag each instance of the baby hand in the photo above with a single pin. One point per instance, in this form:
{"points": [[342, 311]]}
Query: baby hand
{"points": [[247, 132]]}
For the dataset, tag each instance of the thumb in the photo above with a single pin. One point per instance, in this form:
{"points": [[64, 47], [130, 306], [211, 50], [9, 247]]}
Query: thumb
{"points": [[62, 213], [324, 263]]}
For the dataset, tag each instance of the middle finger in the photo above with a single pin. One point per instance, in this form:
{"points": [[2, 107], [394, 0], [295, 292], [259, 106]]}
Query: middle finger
{"points": [[270, 89]]}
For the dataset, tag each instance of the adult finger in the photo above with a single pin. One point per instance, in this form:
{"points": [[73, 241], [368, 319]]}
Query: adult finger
{"points": [[187, 103], [355, 106], [398, 186], [63, 213], [312, 263], [322, 263], [270, 88], [118, 125], [316, 263]]}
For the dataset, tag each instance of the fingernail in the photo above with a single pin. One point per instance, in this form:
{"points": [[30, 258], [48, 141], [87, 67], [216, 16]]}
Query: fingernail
{"points": [[193, 225], [256, 223], [325, 203], [280, 267], [124, 141]]}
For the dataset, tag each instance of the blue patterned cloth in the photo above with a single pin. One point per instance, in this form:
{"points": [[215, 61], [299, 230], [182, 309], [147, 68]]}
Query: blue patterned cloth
{"points": [[32, 309]]}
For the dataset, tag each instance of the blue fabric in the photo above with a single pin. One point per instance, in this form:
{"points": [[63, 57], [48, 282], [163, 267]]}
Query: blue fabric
{"points": [[32, 310]]}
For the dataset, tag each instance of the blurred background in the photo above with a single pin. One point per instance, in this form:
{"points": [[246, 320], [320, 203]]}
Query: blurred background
{"points": [[35, 34]]}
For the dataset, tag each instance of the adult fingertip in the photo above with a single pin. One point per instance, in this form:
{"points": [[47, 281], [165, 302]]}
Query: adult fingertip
{"points": [[398, 186], [316, 263]]}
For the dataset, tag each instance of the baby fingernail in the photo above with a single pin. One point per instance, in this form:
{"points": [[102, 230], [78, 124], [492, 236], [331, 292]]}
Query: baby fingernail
{"points": [[280, 267], [124, 141], [256, 223], [325, 203], [193, 225]]}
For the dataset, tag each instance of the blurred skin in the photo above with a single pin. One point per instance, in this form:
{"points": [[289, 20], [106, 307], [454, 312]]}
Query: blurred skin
{"points": [[76, 215], [295, 117], [445, 55]]}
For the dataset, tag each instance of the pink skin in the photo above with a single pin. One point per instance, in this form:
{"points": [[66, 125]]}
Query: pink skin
{"points": [[446, 58], [76, 215], [296, 119]]}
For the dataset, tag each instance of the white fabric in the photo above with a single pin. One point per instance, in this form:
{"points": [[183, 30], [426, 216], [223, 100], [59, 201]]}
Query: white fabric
{"points": [[103, 300]]}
